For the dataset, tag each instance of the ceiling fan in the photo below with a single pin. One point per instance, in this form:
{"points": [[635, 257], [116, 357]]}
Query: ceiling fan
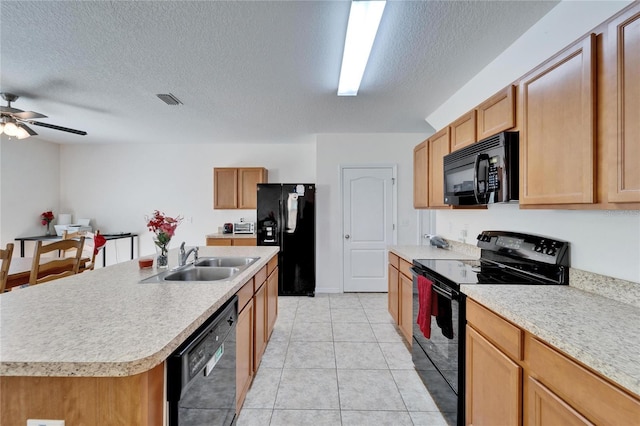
{"points": [[13, 121]]}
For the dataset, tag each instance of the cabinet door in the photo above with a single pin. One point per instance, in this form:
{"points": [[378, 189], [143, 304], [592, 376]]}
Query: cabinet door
{"points": [[406, 308], [225, 188], [493, 384], [218, 241], [546, 408], [420, 178], [248, 178], [393, 293], [557, 137], [244, 242], [623, 65], [259, 323], [438, 148], [244, 353], [463, 131], [496, 114], [272, 301]]}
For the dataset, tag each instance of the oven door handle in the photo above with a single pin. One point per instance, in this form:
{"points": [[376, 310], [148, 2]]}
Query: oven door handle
{"points": [[442, 292], [476, 168]]}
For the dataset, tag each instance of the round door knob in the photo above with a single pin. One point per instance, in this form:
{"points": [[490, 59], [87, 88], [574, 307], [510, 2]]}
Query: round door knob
{"points": [[347, 237]]}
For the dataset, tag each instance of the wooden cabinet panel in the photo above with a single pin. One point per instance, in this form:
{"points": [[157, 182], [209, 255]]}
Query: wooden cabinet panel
{"points": [[545, 408], [244, 242], [245, 294], [420, 177], [590, 394], [557, 132], [505, 335], [394, 293], [235, 188], [406, 308], [272, 301], [225, 188], [493, 384], [463, 131], [496, 114], [259, 322], [248, 179], [130, 400], [244, 353], [218, 241], [623, 64], [438, 147]]}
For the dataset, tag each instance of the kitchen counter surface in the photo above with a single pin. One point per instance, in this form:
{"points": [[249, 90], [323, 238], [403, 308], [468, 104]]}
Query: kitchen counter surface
{"points": [[105, 323], [600, 332]]}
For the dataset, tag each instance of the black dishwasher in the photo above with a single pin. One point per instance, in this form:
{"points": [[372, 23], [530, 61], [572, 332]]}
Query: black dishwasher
{"points": [[201, 373]]}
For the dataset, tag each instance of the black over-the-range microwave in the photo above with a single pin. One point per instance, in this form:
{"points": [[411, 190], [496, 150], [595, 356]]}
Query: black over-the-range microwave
{"points": [[482, 173]]}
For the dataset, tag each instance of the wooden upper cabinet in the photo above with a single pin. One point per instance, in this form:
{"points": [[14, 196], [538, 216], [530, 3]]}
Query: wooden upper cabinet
{"points": [[438, 145], [463, 131], [235, 188], [496, 114], [420, 177], [557, 128], [622, 61], [225, 188]]}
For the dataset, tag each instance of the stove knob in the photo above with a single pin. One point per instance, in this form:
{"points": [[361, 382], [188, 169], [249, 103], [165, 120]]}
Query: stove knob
{"points": [[551, 251], [539, 249], [480, 237]]}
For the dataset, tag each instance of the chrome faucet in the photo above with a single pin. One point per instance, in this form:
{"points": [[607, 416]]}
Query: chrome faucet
{"points": [[184, 255]]}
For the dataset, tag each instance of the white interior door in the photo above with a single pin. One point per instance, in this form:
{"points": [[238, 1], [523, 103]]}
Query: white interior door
{"points": [[368, 226], [426, 226]]}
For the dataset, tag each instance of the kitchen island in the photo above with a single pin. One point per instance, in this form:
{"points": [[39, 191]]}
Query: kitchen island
{"points": [[106, 324]]}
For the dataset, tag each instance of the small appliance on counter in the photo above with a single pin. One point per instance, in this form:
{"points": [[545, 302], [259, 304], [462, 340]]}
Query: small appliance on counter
{"points": [[227, 228], [244, 228]]}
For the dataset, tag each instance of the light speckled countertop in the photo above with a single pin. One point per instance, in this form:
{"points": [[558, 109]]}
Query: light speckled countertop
{"points": [[595, 320], [602, 333], [105, 323]]}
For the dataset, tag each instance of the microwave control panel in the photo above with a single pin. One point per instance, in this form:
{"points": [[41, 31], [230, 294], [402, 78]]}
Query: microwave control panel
{"points": [[493, 180]]}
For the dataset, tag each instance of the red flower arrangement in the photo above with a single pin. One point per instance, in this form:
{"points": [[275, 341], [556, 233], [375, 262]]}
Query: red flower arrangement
{"points": [[46, 218], [164, 227]]}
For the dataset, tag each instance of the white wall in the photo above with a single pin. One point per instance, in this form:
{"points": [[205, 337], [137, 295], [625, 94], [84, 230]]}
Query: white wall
{"points": [[605, 242], [116, 185], [334, 150], [29, 180]]}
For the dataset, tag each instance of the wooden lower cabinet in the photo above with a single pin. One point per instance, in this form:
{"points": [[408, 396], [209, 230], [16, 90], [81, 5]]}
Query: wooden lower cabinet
{"points": [[260, 329], [130, 400], [400, 303], [514, 378], [493, 384], [272, 301], [406, 307], [546, 408], [394, 293], [211, 241], [244, 352]]}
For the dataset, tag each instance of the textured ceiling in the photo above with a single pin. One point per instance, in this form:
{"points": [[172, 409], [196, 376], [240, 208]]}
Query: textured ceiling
{"points": [[246, 71]]}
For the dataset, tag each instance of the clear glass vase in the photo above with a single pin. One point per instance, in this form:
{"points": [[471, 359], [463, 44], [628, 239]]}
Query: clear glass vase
{"points": [[162, 259]]}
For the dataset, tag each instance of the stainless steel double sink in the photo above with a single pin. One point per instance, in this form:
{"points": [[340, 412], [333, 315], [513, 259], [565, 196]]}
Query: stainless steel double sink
{"points": [[205, 269]]}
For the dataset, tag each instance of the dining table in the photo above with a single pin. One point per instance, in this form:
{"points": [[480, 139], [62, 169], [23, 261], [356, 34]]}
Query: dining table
{"points": [[20, 270]]}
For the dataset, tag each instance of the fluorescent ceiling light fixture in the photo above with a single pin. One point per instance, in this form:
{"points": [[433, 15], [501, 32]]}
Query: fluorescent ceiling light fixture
{"points": [[364, 19]]}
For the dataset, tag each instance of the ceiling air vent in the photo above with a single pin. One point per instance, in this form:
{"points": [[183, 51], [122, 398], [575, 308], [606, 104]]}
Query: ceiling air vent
{"points": [[169, 99]]}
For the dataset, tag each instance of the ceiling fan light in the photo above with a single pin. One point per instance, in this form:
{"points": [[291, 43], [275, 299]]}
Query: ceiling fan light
{"points": [[10, 129], [2, 128], [22, 133]]}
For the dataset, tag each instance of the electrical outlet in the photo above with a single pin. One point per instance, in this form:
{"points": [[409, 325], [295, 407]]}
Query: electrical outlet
{"points": [[35, 422]]}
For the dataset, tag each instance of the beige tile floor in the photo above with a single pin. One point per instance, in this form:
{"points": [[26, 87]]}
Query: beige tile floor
{"points": [[337, 359]]}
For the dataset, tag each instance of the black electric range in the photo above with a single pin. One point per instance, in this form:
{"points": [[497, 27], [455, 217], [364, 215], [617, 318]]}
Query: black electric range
{"points": [[506, 258]]}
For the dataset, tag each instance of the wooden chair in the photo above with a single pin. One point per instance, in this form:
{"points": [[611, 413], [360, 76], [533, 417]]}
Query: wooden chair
{"points": [[58, 267], [89, 249], [5, 257]]}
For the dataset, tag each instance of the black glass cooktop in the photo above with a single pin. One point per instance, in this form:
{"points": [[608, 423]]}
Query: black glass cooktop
{"points": [[474, 272]]}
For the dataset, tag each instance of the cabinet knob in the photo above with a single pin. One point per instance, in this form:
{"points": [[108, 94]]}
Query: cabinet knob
{"points": [[346, 237]]}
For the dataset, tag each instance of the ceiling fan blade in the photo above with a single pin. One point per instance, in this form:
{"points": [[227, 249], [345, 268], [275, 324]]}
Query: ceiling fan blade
{"points": [[27, 115], [10, 110], [28, 129], [52, 126]]}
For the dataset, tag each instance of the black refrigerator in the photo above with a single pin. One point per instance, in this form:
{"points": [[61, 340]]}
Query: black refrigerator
{"points": [[286, 218]]}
